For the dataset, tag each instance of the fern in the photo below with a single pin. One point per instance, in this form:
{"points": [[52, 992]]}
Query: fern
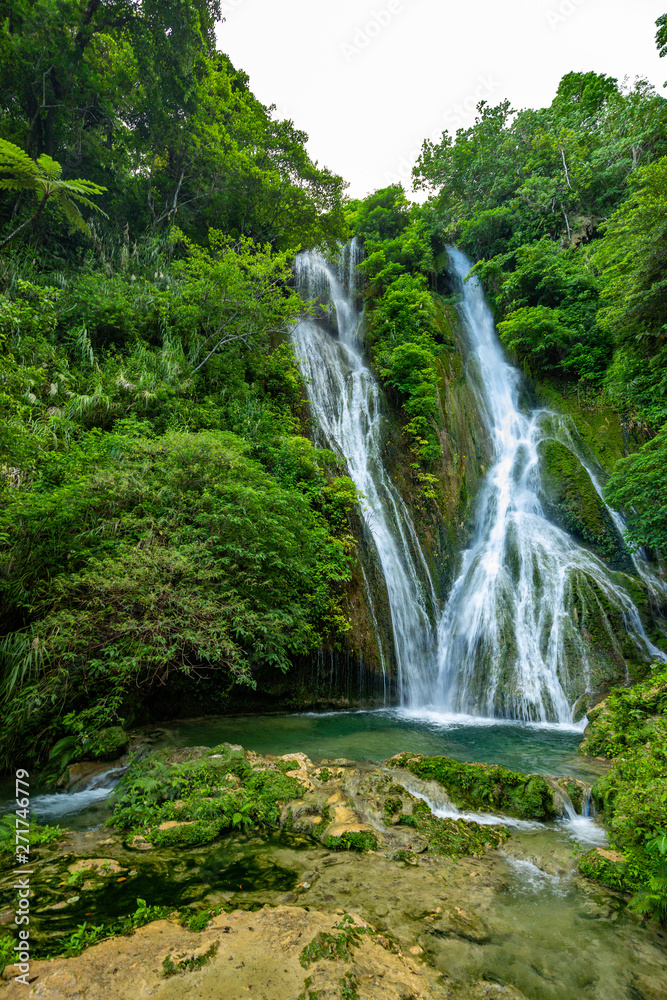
{"points": [[652, 901], [43, 177]]}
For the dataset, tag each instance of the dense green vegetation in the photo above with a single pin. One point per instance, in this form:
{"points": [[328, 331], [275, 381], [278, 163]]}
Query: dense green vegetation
{"points": [[630, 728], [192, 802], [168, 534], [406, 333], [164, 518], [564, 209]]}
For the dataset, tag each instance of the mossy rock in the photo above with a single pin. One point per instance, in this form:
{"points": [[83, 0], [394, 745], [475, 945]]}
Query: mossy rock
{"points": [[630, 727], [606, 867], [190, 796], [598, 424], [627, 718], [362, 840], [108, 744], [486, 787], [571, 501], [455, 838]]}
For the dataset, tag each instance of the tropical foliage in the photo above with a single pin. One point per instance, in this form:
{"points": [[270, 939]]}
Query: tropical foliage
{"points": [[564, 210], [164, 517]]}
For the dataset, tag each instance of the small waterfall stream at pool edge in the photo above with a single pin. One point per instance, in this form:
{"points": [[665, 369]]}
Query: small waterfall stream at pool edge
{"points": [[512, 638]]}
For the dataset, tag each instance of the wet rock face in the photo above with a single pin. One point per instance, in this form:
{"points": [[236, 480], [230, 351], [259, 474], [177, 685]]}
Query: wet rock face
{"points": [[283, 953], [78, 774], [239, 954], [572, 502]]}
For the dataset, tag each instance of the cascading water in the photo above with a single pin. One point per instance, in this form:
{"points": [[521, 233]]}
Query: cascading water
{"points": [[347, 406], [515, 637]]}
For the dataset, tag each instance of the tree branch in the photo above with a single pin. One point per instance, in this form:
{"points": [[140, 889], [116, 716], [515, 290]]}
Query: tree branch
{"points": [[567, 176], [33, 218]]}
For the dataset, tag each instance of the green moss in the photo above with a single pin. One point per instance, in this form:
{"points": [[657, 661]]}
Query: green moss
{"points": [[456, 838], [198, 922], [391, 807], [349, 988], [307, 993], [287, 765], [630, 727], [107, 744], [628, 717], [188, 835], [576, 795], [333, 947], [360, 840], [38, 835], [484, 786], [193, 964], [406, 856], [407, 819], [206, 795], [602, 869], [571, 499], [598, 424], [443, 322]]}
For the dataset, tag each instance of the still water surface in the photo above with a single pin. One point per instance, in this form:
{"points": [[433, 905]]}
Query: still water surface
{"points": [[541, 749]]}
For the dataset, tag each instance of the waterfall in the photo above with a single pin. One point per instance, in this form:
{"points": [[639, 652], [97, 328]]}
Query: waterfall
{"points": [[516, 638], [347, 407]]}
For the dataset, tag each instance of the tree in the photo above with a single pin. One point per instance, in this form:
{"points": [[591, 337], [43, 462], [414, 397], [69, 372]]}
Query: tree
{"points": [[43, 179], [639, 485], [661, 35], [234, 292], [633, 259]]}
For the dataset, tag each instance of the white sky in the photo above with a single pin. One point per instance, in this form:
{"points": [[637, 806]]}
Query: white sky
{"points": [[369, 81]]}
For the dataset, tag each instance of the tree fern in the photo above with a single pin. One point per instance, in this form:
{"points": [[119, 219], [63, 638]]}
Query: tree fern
{"points": [[43, 177]]}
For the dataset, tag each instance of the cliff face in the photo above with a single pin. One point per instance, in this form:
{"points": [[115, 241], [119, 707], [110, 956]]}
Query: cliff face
{"points": [[441, 505], [359, 667]]}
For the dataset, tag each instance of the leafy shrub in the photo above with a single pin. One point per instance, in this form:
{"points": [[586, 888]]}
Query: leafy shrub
{"points": [[38, 834], [630, 727], [177, 555], [206, 797], [651, 902], [360, 840]]}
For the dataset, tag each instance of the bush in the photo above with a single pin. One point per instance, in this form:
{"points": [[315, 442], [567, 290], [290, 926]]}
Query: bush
{"points": [[155, 557]]}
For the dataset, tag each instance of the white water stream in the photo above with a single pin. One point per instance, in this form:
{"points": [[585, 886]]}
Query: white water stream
{"points": [[347, 407]]}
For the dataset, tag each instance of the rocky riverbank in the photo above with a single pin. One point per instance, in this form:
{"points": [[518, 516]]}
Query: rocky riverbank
{"points": [[281, 879]]}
